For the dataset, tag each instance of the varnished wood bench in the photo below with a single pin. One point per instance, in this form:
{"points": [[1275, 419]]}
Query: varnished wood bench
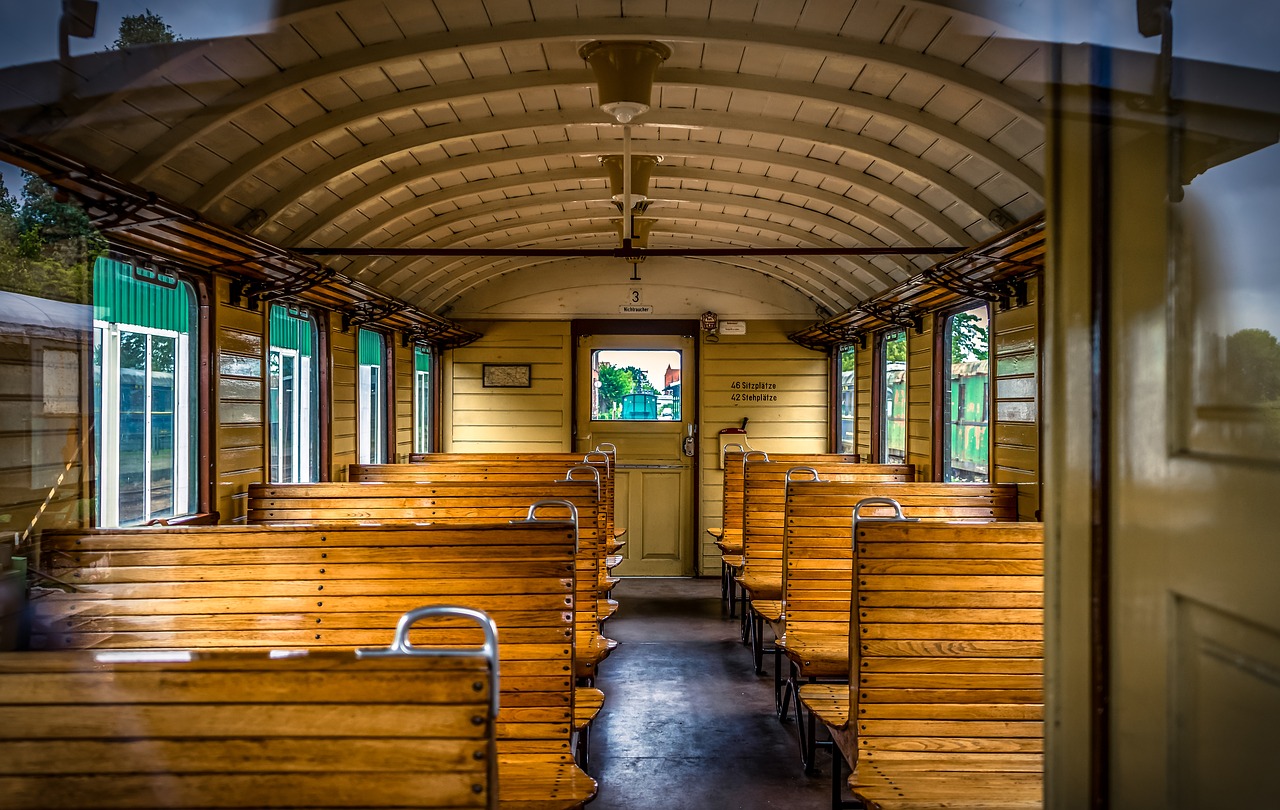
{"points": [[817, 560], [728, 536], [946, 704], [453, 502], [285, 587], [508, 467], [764, 508], [391, 728], [605, 456]]}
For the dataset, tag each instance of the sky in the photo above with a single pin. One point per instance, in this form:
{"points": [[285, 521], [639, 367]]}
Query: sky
{"points": [[653, 362], [30, 28]]}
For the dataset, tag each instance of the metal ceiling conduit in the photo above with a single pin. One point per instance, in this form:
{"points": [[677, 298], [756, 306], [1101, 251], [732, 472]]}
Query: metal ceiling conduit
{"points": [[622, 253]]}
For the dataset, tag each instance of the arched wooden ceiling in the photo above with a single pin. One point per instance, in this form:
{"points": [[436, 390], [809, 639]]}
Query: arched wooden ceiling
{"points": [[473, 123]]}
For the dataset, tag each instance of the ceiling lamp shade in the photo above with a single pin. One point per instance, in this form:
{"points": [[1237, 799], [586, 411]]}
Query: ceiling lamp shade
{"points": [[640, 227], [624, 73], [641, 170]]}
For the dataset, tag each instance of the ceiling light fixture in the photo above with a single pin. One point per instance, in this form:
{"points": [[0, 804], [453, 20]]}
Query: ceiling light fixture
{"points": [[624, 73], [641, 170]]}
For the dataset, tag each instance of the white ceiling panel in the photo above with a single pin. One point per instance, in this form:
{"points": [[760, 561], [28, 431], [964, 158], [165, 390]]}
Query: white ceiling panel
{"points": [[406, 122]]}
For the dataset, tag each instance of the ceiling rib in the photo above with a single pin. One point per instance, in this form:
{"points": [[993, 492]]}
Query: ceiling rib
{"points": [[246, 165], [145, 162]]}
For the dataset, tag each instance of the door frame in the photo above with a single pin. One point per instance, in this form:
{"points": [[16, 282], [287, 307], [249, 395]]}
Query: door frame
{"points": [[583, 327]]}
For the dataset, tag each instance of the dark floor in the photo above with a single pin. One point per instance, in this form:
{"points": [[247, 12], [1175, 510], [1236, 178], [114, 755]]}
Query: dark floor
{"points": [[686, 723]]}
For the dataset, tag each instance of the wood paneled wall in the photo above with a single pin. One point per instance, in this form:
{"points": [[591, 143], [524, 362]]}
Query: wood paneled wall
{"points": [[502, 420], [1015, 349], [240, 451], [920, 399], [790, 417], [343, 421], [402, 373], [864, 406]]}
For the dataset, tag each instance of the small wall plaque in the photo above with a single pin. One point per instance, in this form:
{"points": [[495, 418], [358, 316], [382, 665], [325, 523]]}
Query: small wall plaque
{"points": [[506, 376]]}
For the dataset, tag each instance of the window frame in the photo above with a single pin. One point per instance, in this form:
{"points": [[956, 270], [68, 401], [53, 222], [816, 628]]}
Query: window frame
{"points": [[192, 404], [314, 444], [942, 385], [383, 409], [880, 420], [424, 412], [837, 394], [677, 402]]}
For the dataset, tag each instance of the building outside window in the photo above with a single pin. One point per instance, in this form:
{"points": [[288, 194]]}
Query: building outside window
{"points": [[292, 383], [371, 398], [144, 394]]}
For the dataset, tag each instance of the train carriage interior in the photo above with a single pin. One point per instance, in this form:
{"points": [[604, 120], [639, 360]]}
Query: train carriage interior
{"points": [[850, 403]]}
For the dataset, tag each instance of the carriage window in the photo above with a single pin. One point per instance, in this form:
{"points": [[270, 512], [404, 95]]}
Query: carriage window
{"points": [[421, 400], [292, 384], [641, 385], [893, 410], [965, 396], [848, 392], [371, 398], [144, 370]]}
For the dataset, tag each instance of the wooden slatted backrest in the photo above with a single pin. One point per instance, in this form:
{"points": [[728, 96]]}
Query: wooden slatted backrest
{"points": [[735, 480], [285, 587], [950, 640], [439, 469], [448, 502], [499, 465], [764, 509], [818, 552], [244, 730]]}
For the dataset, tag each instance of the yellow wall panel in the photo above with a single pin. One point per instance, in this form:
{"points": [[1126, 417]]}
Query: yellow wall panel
{"points": [[402, 441], [342, 426], [474, 416], [789, 417], [240, 452], [920, 399], [864, 405], [1016, 447]]}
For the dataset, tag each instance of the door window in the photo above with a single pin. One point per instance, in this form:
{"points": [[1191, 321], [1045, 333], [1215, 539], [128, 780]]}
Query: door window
{"points": [[641, 385]]}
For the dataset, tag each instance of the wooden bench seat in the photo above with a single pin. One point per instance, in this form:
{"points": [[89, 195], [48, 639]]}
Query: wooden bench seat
{"points": [[948, 697], [455, 501], [818, 554], [285, 587], [500, 468], [604, 457], [764, 509], [728, 536], [244, 729]]}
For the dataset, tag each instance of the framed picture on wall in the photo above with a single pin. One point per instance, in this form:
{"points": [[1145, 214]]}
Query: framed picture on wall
{"points": [[506, 376]]}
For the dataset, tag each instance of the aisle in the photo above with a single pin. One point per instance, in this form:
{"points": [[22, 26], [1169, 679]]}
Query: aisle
{"points": [[686, 723]]}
